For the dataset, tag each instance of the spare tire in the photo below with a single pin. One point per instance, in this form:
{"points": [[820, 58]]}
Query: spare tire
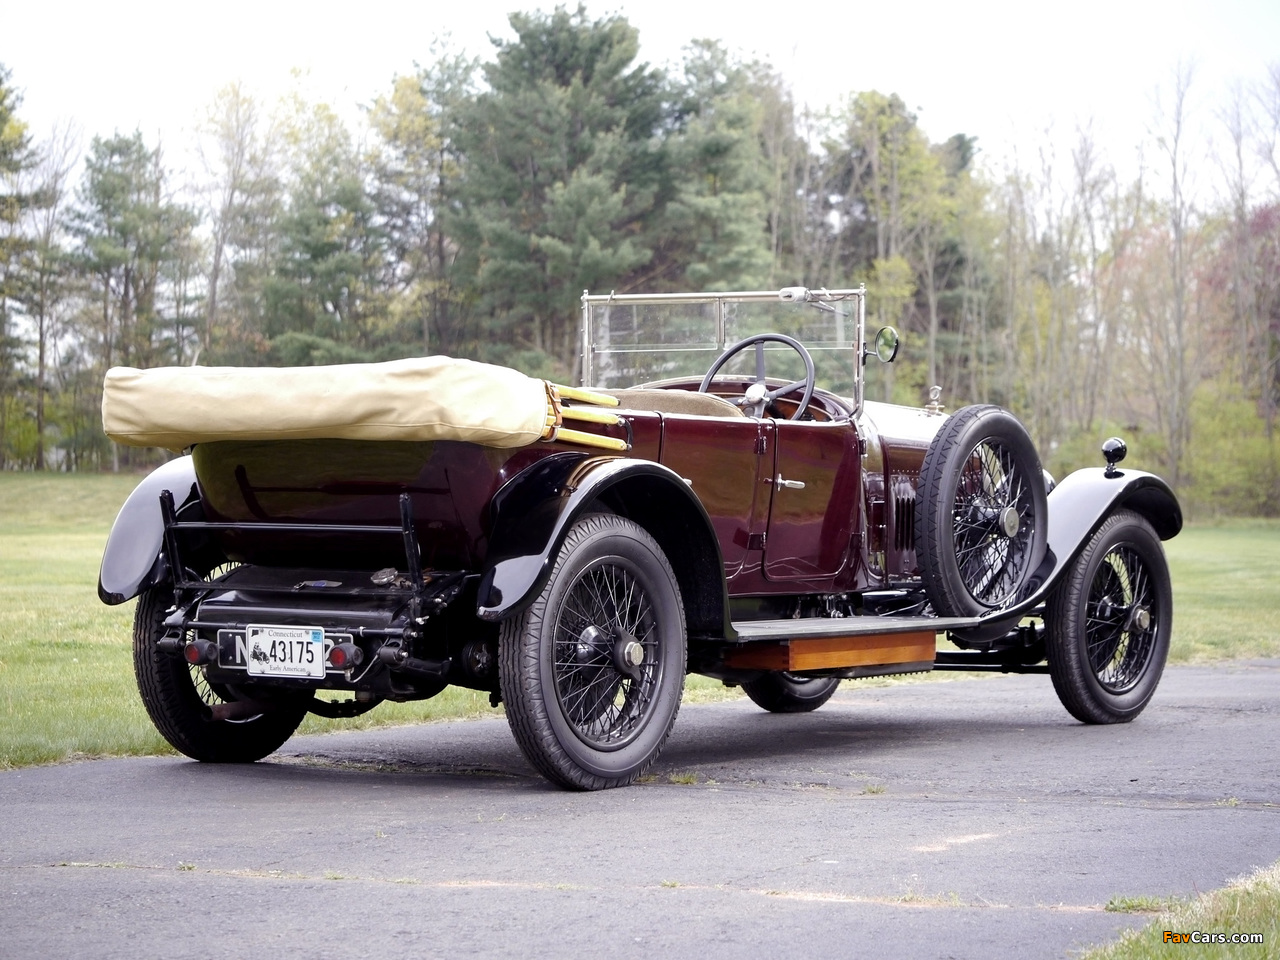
{"points": [[981, 513]]}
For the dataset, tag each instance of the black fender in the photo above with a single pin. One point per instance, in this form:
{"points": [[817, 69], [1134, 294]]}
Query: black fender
{"points": [[532, 514], [1077, 507], [131, 561]]}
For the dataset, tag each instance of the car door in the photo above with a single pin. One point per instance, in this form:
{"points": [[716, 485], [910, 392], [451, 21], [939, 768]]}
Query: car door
{"points": [[720, 459], [814, 490]]}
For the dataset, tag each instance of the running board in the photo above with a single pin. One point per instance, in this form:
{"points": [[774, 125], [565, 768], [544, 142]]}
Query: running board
{"points": [[820, 627], [837, 643]]}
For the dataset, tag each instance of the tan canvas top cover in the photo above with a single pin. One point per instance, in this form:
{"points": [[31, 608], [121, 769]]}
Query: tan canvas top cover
{"points": [[423, 398]]}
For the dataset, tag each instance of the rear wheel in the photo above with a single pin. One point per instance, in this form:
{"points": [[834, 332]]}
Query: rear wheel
{"points": [[593, 670], [1108, 623], [982, 513], [180, 700], [789, 693]]}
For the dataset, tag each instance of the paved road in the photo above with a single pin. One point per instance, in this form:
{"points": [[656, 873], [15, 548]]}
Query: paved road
{"points": [[962, 819]]}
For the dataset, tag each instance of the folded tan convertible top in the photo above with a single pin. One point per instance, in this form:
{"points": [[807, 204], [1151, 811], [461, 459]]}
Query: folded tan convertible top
{"points": [[424, 398]]}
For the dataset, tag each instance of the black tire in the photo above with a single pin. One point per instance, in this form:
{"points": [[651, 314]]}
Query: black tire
{"points": [[1108, 623], [788, 693], [981, 513], [580, 719], [178, 698]]}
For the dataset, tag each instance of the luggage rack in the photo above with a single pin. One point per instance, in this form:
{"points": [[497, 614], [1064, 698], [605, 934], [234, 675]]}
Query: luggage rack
{"points": [[426, 593], [172, 525]]}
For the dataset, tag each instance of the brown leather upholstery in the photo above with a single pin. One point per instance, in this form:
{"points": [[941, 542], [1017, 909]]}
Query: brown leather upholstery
{"points": [[676, 401]]}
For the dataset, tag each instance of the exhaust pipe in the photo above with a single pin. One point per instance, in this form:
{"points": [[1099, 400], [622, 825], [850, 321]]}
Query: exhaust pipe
{"points": [[241, 709]]}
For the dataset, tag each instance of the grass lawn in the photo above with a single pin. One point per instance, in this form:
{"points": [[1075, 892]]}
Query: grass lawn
{"points": [[66, 676], [1248, 906], [1226, 604]]}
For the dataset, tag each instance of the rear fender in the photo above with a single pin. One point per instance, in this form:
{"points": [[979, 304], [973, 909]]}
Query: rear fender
{"points": [[533, 512], [131, 561], [1077, 508]]}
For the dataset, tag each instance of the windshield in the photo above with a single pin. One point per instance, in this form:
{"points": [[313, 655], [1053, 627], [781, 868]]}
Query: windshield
{"points": [[632, 340]]}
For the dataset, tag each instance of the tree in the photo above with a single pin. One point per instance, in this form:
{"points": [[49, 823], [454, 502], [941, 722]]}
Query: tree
{"points": [[238, 150], [561, 173], [882, 155], [1171, 331], [715, 221], [129, 229], [15, 157], [1267, 96], [47, 280], [932, 214], [416, 169], [325, 278]]}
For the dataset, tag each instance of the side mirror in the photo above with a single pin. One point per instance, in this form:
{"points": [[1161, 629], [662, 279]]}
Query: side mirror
{"points": [[885, 345]]}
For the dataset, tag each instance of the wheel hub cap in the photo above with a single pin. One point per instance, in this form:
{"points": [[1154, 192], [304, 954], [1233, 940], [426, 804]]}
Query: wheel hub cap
{"points": [[1010, 522], [633, 653], [1140, 619]]}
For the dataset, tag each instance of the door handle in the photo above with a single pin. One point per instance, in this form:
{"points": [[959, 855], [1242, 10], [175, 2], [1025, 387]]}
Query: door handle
{"points": [[780, 484]]}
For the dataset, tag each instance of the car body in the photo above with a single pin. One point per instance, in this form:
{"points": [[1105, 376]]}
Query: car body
{"points": [[683, 511]]}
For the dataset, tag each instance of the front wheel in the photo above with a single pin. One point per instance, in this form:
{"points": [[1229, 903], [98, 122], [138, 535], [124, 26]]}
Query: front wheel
{"points": [[593, 670], [782, 692], [179, 699], [1108, 623]]}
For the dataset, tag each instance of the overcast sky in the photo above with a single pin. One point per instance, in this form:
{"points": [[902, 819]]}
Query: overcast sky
{"points": [[1001, 71]]}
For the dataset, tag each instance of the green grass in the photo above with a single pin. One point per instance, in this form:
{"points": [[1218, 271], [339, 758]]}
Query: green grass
{"points": [[66, 676], [1142, 904], [65, 670], [1250, 905], [1226, 604]]}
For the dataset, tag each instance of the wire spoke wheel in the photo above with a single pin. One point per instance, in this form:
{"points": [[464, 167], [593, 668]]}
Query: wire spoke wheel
{"points": [[179, 698], [991, 524], [982, 508], [212, 694], [606, 606], [1108, 623], [592, 671], [1120, 629]]}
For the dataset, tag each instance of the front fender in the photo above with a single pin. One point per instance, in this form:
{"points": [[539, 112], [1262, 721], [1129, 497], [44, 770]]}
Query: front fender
{"points": [[1077, 508], [130, 560], [533, 512], [1083, 500], [1079, 504]]}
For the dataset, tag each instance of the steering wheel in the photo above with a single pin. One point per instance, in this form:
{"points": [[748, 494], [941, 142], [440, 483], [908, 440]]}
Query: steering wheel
{"points": [[759, 396]]}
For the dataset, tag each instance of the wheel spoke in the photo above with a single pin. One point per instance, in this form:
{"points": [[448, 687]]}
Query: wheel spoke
{"points": [[794, 385], [1118, 649], [604, 705], [991, 563]]}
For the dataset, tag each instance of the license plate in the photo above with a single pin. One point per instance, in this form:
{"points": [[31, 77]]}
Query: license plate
{"points": [[280, 651]]}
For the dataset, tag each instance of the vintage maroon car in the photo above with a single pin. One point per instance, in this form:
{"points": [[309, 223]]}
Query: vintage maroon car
{"points": [[743, 513]]}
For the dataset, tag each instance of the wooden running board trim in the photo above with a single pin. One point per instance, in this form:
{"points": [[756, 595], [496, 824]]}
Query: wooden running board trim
{"points": [[828, 653]]}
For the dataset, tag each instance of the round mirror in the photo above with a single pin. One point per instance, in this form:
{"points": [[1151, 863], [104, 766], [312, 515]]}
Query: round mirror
{"points": [[886, 344]]}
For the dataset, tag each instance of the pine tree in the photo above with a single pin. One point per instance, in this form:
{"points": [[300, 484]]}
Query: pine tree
{"points": [[562, 171]]}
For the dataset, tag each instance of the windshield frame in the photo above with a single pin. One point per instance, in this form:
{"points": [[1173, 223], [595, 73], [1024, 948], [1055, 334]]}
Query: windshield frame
{"points": [[858, 296]]}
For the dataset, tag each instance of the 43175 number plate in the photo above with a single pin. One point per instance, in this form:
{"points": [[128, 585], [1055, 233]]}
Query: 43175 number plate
{"points": [[281, 651]]}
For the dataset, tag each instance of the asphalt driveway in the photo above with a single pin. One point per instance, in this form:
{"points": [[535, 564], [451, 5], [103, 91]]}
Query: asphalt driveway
{"points": [[965, 819]]}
